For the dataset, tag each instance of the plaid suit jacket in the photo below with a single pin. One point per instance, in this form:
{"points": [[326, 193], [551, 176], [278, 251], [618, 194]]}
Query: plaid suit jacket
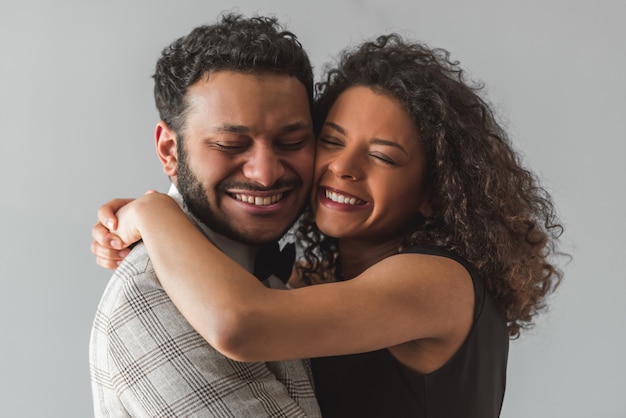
{"points": [[147, 361]]}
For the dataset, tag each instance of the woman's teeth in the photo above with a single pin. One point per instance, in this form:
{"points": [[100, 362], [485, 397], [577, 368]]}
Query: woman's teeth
{"points": [[339, 198]]}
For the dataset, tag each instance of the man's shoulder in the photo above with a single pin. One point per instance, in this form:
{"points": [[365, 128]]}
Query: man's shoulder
{"points": [[135, 276], [136, 262], [136, 266]]}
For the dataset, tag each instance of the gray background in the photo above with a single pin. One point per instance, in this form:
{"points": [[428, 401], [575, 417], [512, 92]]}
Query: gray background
{"points": [[77, 121]]}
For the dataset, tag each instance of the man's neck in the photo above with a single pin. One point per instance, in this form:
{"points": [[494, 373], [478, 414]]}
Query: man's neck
{"points": [[243, 254]]}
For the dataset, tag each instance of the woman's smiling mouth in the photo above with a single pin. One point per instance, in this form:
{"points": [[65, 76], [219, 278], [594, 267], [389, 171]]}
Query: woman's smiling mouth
{"points": [[342, 198]]}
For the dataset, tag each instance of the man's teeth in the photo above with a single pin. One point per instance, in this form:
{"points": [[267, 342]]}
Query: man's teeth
{"points": [[258, 200], [339, 198]]}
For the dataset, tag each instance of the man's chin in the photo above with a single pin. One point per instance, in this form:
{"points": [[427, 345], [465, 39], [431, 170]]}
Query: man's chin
{"points": [[259, 229], [243, 227], [261, 236], [257, 235]]}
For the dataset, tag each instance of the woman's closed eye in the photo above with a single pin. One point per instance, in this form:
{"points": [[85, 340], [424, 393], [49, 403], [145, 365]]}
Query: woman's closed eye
{"points": [[384, 158], [330, 141]]}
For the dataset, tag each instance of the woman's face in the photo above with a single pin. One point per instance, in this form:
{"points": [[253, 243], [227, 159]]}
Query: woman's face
{"points": [[370, 168]]}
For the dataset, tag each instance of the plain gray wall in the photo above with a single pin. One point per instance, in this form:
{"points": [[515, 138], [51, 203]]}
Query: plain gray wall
{"points": [[77, 121]]}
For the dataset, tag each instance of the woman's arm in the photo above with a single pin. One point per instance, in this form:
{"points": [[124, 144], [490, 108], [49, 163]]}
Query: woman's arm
{"points": [[402, 298]]}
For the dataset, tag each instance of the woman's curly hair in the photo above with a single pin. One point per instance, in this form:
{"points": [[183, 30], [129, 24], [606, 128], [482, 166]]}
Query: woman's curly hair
{"points": [[487, 208]]}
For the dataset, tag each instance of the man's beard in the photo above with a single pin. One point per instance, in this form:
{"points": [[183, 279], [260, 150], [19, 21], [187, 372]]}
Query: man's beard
{"points": [[195, 197]]}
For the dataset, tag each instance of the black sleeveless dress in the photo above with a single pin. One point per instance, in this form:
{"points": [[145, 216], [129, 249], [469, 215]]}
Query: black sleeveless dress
{"points": [[470, 385]]}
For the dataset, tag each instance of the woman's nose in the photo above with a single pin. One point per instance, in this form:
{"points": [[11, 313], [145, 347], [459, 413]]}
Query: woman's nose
{"points": [[346, 165]]}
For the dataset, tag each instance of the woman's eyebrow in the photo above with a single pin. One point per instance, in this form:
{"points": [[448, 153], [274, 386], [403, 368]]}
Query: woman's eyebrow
{"points": [[377, 141], [335, 127], [380, 141]]}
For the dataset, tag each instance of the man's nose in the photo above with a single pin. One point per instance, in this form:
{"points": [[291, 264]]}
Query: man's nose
{"points": [[263, 166]]}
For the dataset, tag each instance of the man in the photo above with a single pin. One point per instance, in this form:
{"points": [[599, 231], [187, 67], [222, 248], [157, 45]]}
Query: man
{"points": [[236, 139]]}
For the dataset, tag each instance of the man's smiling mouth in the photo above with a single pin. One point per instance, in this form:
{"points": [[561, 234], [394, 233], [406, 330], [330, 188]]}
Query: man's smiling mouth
{"points": [[258, 200]]}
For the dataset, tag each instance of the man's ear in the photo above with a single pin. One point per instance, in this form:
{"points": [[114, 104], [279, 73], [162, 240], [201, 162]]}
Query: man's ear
{"points": [[166, 148]]}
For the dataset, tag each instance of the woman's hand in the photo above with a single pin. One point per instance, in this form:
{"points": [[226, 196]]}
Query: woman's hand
{"points": [[110, 245], [109, 248]]}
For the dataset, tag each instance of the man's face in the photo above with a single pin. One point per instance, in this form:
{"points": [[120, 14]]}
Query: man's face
{"points": [[245, 162]]}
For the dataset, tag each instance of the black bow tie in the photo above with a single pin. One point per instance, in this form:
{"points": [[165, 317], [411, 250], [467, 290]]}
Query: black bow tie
{"points": [[271, 260]]}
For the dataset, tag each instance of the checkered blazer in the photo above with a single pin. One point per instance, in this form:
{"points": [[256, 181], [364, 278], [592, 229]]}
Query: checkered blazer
{"points": [[147, 361]]}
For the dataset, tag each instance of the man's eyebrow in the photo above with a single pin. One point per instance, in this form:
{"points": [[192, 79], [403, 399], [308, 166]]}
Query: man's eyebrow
{"points": [[242, 129], [228, 128], [296, 126]]}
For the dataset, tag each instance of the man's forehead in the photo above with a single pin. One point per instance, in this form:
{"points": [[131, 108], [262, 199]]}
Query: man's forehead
{"points": [[228, 76], [234, 101], [230, 87]]}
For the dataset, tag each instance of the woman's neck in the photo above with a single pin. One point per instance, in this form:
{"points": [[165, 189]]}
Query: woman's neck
{"points": [[357, 256]]}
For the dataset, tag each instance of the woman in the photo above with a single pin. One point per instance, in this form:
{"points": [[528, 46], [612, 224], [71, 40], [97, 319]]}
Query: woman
{"points": [[434, 240]]}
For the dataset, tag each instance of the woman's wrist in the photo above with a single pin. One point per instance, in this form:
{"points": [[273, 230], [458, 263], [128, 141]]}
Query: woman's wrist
{"points": [[142, 216], [151, 210]]}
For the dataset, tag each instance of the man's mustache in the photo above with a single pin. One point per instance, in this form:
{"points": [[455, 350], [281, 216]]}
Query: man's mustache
{"points": [[254, 187]]}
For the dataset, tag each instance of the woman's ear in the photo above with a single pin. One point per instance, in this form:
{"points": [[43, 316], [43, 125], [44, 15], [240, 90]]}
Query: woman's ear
{"points": [[426, 208], [166, 139]]}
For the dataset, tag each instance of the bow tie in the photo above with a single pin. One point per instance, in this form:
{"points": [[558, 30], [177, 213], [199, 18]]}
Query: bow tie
{"points": [[271, 260]]}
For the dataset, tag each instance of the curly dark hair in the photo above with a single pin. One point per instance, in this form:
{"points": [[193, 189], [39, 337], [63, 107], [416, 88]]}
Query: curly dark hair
{"points": [[250, 45], [487, 208]]}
